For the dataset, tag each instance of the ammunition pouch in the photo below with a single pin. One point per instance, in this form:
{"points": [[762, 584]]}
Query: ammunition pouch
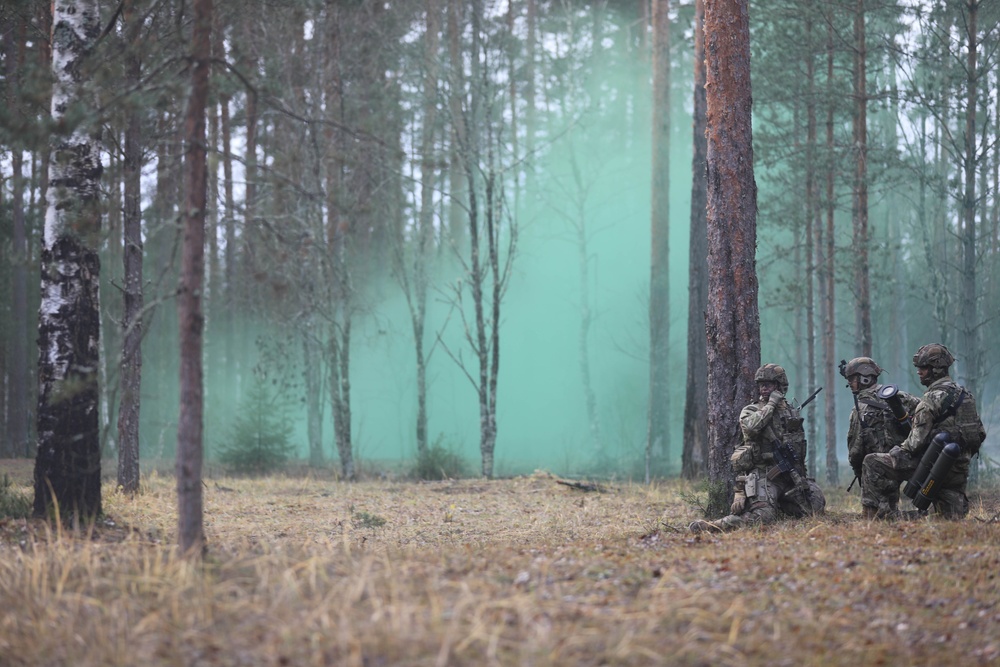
{"points": [[749, 482]]}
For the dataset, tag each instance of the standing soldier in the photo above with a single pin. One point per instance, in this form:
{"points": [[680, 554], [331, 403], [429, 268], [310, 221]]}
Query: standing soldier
{"points": [[881, 416], [771, 482], [945, 408]]}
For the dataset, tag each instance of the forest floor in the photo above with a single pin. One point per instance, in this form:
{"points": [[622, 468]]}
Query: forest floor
{"points": [[522, 571]]}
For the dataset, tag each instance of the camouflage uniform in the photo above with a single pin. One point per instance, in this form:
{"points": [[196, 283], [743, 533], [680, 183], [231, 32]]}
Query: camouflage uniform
{"points": [[873, 427], [945, 407], [760, 500], [881, 430]]}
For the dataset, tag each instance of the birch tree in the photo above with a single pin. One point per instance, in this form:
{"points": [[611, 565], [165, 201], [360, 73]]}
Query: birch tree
{"points": [[68, 463]]}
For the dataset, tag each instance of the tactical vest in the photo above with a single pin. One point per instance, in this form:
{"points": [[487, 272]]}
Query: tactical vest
{"points": [[880, 423], [960, 418]]}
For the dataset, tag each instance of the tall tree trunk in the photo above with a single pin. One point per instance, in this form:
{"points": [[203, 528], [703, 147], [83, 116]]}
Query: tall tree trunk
{"points": [[859, 212], [68, 464], [457, 196], [829, 275], [658, 435], [695, 455], [131, 360], [18, 405], [811, 222], [425, 230], [190, 528], [970, 316], [229, 270], [733, 321]]}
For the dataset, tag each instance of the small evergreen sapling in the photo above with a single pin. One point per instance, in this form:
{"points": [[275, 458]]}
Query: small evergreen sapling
{"points": [[260, 439]]}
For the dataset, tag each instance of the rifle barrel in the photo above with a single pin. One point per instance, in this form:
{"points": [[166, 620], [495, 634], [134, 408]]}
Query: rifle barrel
{"points": [[810, 399]]}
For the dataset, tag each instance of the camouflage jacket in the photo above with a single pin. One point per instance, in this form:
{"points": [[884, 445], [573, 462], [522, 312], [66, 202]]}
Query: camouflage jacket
{"points": [[762, 424], [881, 432], [946, 407]]}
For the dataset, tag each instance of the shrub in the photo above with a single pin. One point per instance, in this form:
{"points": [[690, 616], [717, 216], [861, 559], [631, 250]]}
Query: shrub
{"points": [[260, 439], [14, 503], [439, 462]]}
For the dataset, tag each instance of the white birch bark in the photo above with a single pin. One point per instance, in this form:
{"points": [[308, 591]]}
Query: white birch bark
{"points": [[67, 469]]}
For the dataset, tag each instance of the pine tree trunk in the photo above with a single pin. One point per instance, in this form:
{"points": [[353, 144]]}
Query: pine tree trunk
{"points": [[658, 435], [190, 452], [425, 232], [970, 316], [694, 459], [829, 273], [811, 222], [733, 321], [68, 464], [859, 212], [132, 321]]}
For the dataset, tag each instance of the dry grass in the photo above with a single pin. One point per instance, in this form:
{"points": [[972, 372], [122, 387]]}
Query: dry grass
{"points": [[514, 572]]}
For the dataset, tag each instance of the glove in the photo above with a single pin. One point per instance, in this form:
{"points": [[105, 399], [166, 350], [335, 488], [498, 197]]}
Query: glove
{"points": [[739, 503], [775, 397]]}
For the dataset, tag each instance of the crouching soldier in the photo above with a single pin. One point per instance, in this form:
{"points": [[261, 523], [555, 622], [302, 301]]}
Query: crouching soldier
{"points": [[882, 415], [771, 482], [947, 410]]}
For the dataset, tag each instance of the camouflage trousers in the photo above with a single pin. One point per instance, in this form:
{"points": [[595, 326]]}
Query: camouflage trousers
{"points": [[881, 475], [772, 504]]}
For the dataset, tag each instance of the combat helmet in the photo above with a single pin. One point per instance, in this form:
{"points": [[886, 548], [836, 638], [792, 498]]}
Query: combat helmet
{"points": [[865, 367], [933, 355], [772, 373]]}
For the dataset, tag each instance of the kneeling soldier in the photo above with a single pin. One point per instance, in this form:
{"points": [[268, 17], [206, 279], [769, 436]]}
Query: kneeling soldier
{"points": [[771, 482]]}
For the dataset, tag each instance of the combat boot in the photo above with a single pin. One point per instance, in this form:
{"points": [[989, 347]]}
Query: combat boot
{"points": [[702, 526]]}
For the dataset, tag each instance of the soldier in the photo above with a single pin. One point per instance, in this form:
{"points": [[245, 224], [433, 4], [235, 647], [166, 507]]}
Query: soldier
{"points": [[874, 428], [945, 407], [765, 494]]}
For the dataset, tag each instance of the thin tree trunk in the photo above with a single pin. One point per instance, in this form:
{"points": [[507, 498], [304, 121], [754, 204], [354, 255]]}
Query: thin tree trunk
{"points": [[829, 275], [970, 315], [733, 321], [859, 213], [426, 222], [695, 455], [190, 528], [811, 221], [458, 196], [132, 321], [18, 405], [68, 464], [313, 357], [658, 435]]}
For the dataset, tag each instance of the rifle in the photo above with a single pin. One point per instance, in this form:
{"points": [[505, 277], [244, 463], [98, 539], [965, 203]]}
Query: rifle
{"points": [[809, 400]]}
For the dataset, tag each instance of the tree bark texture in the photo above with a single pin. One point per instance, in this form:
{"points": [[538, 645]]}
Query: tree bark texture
{"points": [[425, 231], [68, 462], [190, 426], [970, 317], [829, 273], [811, 222], [859, 213], [17, 442], [694, 458], [733, 320], [659, 274], [131, 359]]}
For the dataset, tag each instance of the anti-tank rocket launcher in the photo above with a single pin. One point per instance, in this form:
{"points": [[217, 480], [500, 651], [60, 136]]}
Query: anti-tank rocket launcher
{"points": [[890, 394]]}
